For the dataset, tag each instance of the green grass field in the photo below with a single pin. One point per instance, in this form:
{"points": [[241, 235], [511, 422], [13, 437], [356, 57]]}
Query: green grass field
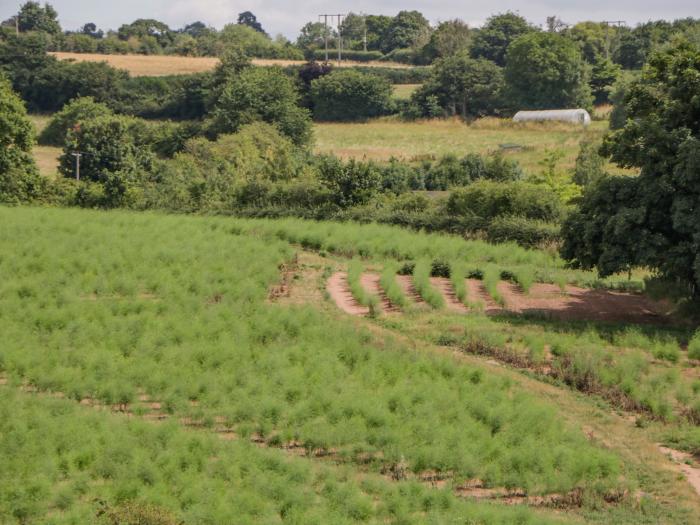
{"points": [[385, 138], [115, 308]]}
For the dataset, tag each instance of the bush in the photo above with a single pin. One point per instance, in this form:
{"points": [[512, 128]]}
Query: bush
{"points": [[694, 346], [76, 111], [590, 165], [526, 232], [489, 200], [352, 183], [350, 95]]}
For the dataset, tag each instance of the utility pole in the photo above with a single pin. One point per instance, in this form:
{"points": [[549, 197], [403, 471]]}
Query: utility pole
{"points": [[608, 23], [325, 32], [17, 24], [77, 156]]}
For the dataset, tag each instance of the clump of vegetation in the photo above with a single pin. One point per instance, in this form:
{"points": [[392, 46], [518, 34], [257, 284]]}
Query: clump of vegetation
{"points": [[694, 346], [458, 275], [359, 292], [391, 288], [421, 282]]}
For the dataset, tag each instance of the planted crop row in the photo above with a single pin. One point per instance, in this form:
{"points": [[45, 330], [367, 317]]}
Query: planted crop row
{"points": [[361, 295], [391, 287], [391, 242], [421, 282]]}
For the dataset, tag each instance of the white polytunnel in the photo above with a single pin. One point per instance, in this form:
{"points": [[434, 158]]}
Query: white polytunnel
{"points": [[574, 116]]}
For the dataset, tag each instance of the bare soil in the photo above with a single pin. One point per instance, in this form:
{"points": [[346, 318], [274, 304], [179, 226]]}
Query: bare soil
{"points": [[370, 282], [477, 294], [444, 286], [406, 284], [339, 291], [576, 303], [684, 462]]}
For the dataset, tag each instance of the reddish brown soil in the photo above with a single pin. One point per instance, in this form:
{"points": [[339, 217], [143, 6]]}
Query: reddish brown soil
{"points": [[583, 304], [477, 294], [339, 291], [406, 284], [444, 286], [370, 282]]}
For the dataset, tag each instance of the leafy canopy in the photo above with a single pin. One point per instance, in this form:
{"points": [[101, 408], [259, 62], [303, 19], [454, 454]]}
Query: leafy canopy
{"points": [[546, 71], [651, 220]]}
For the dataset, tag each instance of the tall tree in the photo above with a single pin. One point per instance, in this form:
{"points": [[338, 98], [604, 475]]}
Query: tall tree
{"points": [[449, 38], [246, 18], [407, 29], [546, 71], [33, 17], [462, 86], [18, 174], [492, 40], [651, 220]]}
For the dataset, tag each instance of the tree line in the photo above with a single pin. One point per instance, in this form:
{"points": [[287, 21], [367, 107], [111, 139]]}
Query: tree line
{"points": [[406, 37]]}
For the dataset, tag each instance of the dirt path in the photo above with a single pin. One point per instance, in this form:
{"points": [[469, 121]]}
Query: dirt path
{"points": [[444, 286], [339, 291], [370, 282], [684, 461]]}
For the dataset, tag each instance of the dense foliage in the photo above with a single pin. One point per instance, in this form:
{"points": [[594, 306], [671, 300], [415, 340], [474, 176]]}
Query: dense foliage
{"points": [[650, 220], [545, 71], [19, 179], [350, 95]]}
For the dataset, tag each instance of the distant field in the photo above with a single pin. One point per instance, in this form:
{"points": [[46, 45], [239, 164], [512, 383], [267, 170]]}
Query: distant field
{"points": [[156, 65], [385, 138], [404, 91]]}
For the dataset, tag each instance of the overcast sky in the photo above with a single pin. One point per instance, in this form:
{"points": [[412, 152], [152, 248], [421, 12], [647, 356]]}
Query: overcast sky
{"points": [[287, 17]]}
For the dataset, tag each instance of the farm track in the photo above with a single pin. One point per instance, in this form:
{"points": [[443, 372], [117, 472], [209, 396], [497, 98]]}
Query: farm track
{"points": [[150, 410], [544, 300]]}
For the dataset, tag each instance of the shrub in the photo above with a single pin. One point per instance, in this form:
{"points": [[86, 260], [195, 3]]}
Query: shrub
{"points": [[529, 233], [590, 165], [488, 200], [352, 183], [694, 346], [350, 95], [77, 110]]}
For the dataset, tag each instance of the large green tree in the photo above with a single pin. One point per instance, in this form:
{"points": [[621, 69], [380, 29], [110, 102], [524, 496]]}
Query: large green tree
{"points": [[652, 220], [33, 17], [407, 29], [546, 71], [491, 41], [19, 179], [350, 95], [449, 38], [266, 94], [461, 85]]}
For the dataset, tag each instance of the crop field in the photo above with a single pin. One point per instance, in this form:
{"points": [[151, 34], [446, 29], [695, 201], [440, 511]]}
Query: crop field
{"points": [[145, 361], [386, 138], [162, 65]]}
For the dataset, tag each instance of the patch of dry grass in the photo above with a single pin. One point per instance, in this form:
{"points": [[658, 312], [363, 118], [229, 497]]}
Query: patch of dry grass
{"points": [[46, 158], [161, 65]]}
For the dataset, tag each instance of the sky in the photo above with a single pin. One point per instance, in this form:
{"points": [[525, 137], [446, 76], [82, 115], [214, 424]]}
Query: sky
{"points": [[287, 17]]}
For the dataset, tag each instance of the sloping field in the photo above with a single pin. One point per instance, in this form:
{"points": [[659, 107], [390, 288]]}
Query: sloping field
{"points": [[130, 342], [382, 139], [161, 65]]}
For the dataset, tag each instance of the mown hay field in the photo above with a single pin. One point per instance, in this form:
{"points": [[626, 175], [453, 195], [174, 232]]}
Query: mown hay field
{"points": [[162, 65]]}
